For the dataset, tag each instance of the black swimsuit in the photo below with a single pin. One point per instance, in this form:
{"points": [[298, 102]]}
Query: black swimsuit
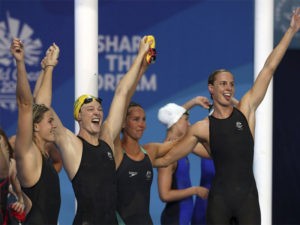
{"points": [[4, 183], [95, 185], [233, 194], [134, 184], [45, 197]]}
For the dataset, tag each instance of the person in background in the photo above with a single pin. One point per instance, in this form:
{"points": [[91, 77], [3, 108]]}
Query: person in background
{"points": [[207, 174], [4, 180], [174, 183], [18, 204], [135, 167]]}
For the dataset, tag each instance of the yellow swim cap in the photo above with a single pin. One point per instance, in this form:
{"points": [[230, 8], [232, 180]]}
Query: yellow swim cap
{"points": [[82, 100]]}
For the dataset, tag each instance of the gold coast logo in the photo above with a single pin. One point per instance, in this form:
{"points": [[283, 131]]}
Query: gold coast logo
{"points": [[10, 28]]}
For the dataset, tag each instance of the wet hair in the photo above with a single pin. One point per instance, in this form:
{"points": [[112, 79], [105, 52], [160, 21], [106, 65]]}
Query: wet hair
{"points": [[212, 77], [38, 112], [132, 104], [10, 149]]}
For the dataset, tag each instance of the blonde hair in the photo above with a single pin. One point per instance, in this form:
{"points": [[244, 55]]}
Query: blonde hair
{"points": [[38, 112]]}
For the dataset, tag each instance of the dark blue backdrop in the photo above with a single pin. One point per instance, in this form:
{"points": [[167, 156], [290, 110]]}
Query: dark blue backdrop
{"points": [[193, 39], [286, 169]]}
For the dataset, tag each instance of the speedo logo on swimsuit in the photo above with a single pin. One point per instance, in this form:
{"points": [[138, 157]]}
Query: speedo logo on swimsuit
{"points": [[239, 125], [132, 173]]}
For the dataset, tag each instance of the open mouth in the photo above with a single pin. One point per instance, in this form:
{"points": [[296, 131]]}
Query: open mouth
{"points": [[227, 96], [96, 121]]}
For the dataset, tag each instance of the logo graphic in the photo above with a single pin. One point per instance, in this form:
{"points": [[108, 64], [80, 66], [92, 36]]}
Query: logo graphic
{"points": [[239, 125], [110, 155], [132, 173], [148, 175], [9, 29]]}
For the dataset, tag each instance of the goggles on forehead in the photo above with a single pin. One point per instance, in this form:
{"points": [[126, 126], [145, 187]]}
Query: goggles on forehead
{"points": [[90, 99], [83, 99]]}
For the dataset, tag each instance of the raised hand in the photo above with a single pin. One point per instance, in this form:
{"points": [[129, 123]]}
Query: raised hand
{"points": [[295, 21], [17, 50], [50, 49], [202, 101], [144, 45], [55, 51], [43, 62], [51, 57]]}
